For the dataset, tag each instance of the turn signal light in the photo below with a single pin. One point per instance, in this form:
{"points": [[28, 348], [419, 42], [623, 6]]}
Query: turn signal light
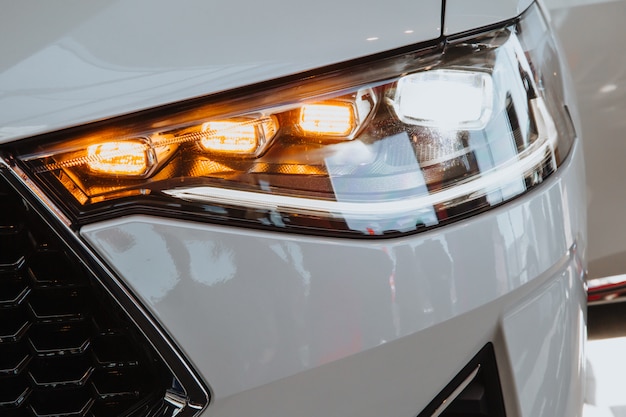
{"points": [[332, 119], [131, 158]]}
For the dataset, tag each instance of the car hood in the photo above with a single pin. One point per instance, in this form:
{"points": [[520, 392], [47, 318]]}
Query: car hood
{"points": [[64, 66]]}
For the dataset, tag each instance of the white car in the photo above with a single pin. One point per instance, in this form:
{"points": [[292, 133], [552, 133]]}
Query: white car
{"points": [[280, 209]]}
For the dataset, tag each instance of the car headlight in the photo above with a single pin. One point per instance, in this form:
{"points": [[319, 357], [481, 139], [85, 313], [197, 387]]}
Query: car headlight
{"points": [[381, 146]]}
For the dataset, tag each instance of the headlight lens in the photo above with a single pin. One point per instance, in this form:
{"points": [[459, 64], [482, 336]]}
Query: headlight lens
{"points": [[378, 148]]}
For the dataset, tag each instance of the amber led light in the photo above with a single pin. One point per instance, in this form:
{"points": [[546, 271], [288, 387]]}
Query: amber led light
{"points": [[130, 158], [229, 137], [237, 136], [336, 119]]}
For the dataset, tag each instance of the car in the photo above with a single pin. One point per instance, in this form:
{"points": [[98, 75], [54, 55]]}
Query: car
{"points": [[289, 209]]}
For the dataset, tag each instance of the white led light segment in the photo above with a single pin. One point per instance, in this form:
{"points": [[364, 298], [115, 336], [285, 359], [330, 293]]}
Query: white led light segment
{"points": [[449, 99]]}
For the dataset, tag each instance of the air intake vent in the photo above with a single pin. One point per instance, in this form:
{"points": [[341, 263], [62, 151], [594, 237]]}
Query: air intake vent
{"points": [[474, 392], [66, 349]]}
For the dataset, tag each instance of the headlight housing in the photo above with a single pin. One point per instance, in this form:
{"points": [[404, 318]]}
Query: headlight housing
{"points": [[373, 148]]}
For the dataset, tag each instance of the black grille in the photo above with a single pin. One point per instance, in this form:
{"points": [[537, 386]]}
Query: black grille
{"points": [[66, 349], [481, 397]]}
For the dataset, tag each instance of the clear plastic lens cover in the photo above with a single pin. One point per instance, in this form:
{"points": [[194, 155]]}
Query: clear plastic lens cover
{"points": [[386, 147]]}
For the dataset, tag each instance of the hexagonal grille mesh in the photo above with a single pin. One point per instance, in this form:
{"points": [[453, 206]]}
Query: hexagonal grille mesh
{"points": [[66, 349]]}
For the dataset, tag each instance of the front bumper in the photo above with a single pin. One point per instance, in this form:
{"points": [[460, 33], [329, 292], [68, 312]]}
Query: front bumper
{"points": [[281, 325]]}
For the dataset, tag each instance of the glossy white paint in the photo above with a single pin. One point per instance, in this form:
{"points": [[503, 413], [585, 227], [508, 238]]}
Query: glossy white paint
{"points": [[464, 15], [594, 41], [250, 308], [71, 62], [399, 377], [543, 385]]}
